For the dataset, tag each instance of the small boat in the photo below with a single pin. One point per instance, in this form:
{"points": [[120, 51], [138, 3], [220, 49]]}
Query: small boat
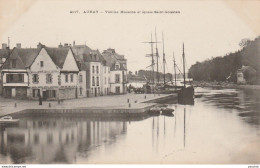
{"points": [[8, 120], [154, 111], [167, 111], [198, 95]]}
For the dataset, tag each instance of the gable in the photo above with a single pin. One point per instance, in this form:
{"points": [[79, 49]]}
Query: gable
{"points": [[70, 63], [48, 64], [14, 56]]}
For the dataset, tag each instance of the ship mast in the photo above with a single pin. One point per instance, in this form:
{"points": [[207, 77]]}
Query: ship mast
{"points": [[163, 60], [151, 55], [183, 57], [174, 64], [157, 57]]}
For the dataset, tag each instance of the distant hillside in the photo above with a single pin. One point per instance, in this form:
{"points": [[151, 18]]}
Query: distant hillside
{"points": [[223, 68]]}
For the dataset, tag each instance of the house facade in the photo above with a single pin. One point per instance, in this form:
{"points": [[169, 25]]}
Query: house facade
{"points": [[118, 71], [51, 73], [4, 54], [246, 75], [93, 68]]}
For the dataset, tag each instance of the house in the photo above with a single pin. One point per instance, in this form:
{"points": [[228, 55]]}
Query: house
{"points": [[4, 54], [246, 75], [49, 72], [92, 61], [118, 71]]}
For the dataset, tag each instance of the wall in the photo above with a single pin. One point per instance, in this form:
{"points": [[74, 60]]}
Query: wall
{"points": [[67, 93]]}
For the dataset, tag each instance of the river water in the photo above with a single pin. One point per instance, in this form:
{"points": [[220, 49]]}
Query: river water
{"points": [[223, 126]]}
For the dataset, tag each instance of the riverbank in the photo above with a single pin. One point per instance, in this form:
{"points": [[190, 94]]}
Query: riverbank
{"points": [[224, 85], [129, 104]]}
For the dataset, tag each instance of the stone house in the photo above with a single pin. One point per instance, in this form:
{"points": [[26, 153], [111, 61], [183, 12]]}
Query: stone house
{"points": [[92, 61], [49, 72], [246, 75], [118, 71], [4, 54]]}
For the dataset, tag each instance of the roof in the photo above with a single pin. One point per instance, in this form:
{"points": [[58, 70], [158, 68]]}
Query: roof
{"points": [[58, 55], [4, 53], [112, 58], [24, 57], [246, 68], [86, 54]]}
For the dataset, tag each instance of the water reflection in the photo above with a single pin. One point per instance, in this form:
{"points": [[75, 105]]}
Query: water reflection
{"points": [[48, 140], [245, 102], [221, 127]]}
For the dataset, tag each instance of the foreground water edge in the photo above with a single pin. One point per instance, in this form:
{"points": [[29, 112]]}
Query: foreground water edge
{"points": [[221, 127]]}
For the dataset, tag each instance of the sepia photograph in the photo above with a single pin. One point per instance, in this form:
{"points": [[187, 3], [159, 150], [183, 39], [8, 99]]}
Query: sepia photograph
{"points": [[86, 82]]}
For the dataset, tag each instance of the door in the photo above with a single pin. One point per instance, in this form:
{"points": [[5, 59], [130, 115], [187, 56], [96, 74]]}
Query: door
{"points": [[44, 95], [13, 92], [118, 89], [8, 92], [95, 91]]}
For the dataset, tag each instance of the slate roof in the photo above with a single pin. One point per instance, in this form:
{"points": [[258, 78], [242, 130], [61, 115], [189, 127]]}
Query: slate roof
{"points": [[112, 58], [4, 53], [86, 54], [23, 56], [58, 55]]}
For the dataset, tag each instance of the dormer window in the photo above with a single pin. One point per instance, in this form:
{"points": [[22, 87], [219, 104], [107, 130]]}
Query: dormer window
{"points": [[117, 66]]}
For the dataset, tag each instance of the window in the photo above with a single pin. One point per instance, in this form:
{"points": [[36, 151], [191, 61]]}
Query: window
{"points": [[93, 81], [108, 80], [71, 77], [97, 81], [49, 138], [35, 78], [13, 63], [80, 78], [117, 78], [36, 138], [11, 77], [14, 78], [105, 69], [80, 90], [20, 77], [41, 63], [51, 93], [48, 78], [105, 80], [36, 92], [97, 70], [66, 78], [93, 69], [117, 66]]}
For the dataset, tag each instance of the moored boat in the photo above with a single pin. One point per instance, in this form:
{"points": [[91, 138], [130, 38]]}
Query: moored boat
{"points": [[8, 120]]}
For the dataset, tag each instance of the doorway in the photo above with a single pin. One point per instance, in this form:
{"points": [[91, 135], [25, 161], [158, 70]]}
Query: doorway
{"points": [[44, 95]]}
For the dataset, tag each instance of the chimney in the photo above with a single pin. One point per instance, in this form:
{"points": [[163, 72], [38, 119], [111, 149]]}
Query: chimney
{"points": [[39, 45], [18, 45], [74, 43], [60, 46], [4, 46]]}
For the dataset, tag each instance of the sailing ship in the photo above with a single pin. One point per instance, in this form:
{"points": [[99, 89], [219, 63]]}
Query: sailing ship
{"points": [[185, 92]]}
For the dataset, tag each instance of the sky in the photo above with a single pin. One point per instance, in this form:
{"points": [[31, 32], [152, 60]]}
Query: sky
{"points": [[207, 28]]}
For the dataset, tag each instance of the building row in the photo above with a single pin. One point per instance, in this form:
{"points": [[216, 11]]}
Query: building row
{"points": [[63, 72]]}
